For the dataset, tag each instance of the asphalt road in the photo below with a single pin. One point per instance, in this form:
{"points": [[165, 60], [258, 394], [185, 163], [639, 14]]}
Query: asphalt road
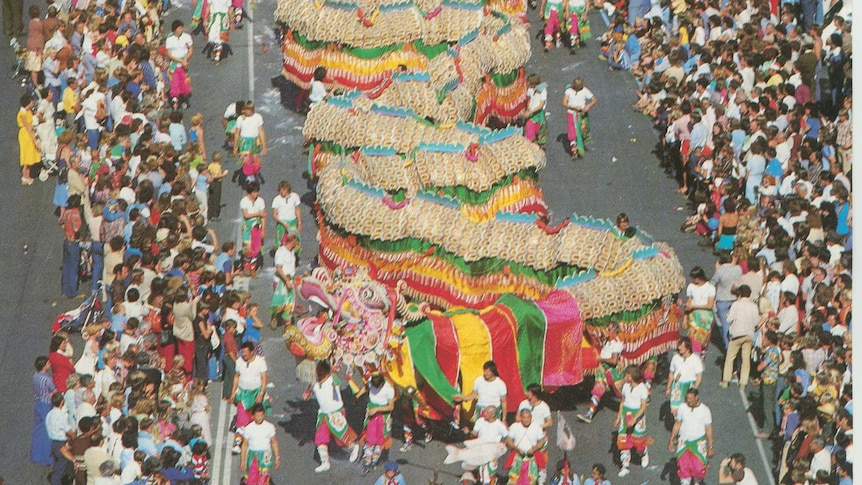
{"points": [[595, 185]]}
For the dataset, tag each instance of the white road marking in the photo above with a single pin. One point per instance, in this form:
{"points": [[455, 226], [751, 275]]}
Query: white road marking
{"points": [[766, 463], [219, 445]]}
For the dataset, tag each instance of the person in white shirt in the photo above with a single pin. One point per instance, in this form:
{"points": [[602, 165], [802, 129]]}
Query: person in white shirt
{"points": [[250, 137], [59, 432], [691, 438], [283, 297], [220, 26], [378, 421], [686, 372], [536, 124], [331, 419], [249, 386], [733, 470], [489, 429], [287, 213], [821, 459], [612, 374], [259, 447], [578, 100], [700, 299], [179, 48], [132, 471], [317, 91], [488, 390], [541, 413], [631, 419], [525, 439], [253, 209]]}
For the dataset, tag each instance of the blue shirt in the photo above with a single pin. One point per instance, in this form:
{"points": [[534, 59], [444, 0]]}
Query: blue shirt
{"points": [[699, 135], [43, 387], [224, 263], [147, 444], [774, 168]]}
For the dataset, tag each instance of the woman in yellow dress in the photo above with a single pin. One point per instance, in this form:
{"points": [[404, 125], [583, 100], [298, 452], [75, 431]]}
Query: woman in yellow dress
{"points": [[29, 145]]}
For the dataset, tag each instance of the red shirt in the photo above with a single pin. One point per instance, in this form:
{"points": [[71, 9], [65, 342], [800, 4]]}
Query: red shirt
{"points": [[61, 368]]}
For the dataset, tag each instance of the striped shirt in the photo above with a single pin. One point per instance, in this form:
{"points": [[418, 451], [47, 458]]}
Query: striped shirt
{"points": [[43, 387]]}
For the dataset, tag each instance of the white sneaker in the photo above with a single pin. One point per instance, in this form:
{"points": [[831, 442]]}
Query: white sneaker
{"points": [[354, 453], [405, 447], [323, 467], [235, 450], [645, 460], [623, 473]]}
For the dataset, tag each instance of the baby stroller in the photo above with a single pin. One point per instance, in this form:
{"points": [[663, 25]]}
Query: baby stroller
{"points": [[76, 319]]}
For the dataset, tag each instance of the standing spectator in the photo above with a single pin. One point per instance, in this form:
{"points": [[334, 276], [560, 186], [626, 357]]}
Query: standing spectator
{"points": [[699, 303], [203, 331], [28, 144], [743, 318], [691, 438], [768, 368], [71, 222], [43, 389], [727, 272], [35, 44], [59, 432], [13, 11], [61, 366], [821, 459], [217, 173], [260, 452], [231, 355]]}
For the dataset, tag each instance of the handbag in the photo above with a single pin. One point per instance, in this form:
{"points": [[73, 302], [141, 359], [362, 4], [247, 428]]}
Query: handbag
{"points": [[167, 335], [215, 341]]}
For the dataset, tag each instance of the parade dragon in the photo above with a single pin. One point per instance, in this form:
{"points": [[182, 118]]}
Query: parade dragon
{"points": [[436, 248]]}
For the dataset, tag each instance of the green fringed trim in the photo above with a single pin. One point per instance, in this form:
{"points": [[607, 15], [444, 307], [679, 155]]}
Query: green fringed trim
{"points": [[505, 79], [482, 267], [429, 51], [398, 196], [624, 317], [473, 198]]}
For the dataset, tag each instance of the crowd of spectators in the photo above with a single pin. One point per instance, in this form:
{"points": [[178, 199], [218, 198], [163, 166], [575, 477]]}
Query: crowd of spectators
{"points": [[752, 102], [135, 191]]}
